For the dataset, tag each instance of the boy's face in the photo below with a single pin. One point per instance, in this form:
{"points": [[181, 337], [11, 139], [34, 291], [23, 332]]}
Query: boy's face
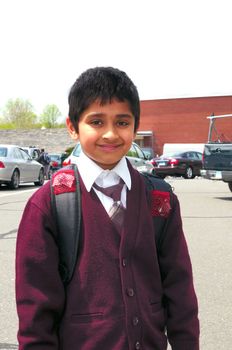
{"points": [[105, 132]]}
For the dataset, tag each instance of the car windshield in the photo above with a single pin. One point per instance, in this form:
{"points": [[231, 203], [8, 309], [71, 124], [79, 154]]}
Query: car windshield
{"points": [[171, 154], [54, 156], [3, 151], [77, 150]]}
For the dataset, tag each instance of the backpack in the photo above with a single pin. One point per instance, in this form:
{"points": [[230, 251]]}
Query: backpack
{"points": [[44, 159], [66, 208]]}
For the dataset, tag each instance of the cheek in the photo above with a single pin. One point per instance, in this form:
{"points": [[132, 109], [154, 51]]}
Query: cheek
{"points": [[87, 137]]}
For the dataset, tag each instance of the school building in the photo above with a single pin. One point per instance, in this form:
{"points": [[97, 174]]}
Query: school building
{"points": [[180, 120]]}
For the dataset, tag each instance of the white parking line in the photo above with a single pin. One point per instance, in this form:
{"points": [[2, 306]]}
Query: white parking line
{"points": [[14, 193]]}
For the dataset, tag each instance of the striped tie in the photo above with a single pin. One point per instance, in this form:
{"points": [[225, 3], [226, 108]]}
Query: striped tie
{"points": [[117, 210]]}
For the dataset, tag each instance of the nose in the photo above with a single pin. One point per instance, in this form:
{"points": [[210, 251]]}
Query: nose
{"points": [[110, 133]]}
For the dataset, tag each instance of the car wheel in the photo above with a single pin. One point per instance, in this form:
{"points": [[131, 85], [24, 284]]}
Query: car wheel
{"points": [[15, 179], [230, 186], [189, 173], [40, 181]]}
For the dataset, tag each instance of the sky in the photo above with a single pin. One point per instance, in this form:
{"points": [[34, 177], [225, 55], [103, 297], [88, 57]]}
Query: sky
{"points": [[169, 48]]}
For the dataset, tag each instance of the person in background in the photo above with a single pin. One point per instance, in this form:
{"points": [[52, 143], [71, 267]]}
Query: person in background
{"points": [[44, 159], [123, 295]]}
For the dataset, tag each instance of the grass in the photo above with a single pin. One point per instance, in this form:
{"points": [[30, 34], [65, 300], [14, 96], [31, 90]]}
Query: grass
{"points": [[10, 126]]}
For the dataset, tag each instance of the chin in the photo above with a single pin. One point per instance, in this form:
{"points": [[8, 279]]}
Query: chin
{"points": [[107, 165]]}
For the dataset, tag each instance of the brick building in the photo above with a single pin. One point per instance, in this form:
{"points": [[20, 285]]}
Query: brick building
{"points": [[181, 120]]}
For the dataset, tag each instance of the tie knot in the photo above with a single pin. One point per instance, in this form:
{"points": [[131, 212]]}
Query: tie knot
{"points": [[112, 191]]}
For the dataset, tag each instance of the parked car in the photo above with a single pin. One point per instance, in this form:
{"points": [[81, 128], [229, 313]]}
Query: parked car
{"points": [[33, 152], [187, 164], [135, 156], [148, 151], [56, 161], [217, 154], [16, 166]]}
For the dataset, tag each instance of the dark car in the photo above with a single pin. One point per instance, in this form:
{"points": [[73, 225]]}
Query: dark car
{"points": [[187, 164], [56, 161]]}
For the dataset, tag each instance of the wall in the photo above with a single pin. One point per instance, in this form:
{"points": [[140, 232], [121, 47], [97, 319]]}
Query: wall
{"points": [[182, 120], [53, 140]]}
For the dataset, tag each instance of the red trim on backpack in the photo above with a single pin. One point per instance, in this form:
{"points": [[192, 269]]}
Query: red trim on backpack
{"points": [[160, 203], [64, 181]]}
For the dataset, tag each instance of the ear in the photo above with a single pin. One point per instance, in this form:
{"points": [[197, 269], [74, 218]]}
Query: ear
{"points": [[71, 129]]}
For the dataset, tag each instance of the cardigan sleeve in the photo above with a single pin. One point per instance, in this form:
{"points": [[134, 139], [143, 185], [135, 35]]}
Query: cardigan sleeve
{"points": [[39, 289], [179, 294]]}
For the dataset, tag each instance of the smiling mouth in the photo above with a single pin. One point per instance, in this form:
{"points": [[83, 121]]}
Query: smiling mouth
{"points": [[109, 147]]}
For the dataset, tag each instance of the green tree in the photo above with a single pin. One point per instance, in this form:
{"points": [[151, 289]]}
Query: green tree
{"points": [[20, 113], [50, 115]]}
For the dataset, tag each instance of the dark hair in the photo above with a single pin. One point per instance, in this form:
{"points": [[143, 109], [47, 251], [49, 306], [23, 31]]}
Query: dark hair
{"points": [[104, 84]]}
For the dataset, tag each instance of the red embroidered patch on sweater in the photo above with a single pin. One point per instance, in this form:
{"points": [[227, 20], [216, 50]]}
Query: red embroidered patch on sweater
{"points": [[160, 203], [64, 182]]}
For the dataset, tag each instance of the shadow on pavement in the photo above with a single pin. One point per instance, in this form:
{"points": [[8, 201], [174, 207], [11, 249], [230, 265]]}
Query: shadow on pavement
{"points": [[225, 198], [7, 235], [5, 346]]}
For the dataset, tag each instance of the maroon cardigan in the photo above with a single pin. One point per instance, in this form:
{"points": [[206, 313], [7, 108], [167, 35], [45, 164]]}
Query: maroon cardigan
{"points": [[116, 299]]}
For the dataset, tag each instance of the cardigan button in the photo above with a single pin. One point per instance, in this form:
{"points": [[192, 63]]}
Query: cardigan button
{"points": [[124, 262], [130, 292], [135, 321], [137, 345]]}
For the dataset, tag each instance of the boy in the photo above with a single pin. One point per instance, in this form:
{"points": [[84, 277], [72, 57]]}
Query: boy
{"points": [[122, 295]]}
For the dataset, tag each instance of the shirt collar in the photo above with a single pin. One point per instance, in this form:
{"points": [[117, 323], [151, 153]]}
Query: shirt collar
{"points": [[90, 171]]}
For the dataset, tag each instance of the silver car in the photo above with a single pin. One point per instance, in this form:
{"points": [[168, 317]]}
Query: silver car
{"points": [[135, 155], [33, 152], [16, 167]]}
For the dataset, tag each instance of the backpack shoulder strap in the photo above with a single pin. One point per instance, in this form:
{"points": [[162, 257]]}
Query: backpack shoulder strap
{"points": [[162, 192], [66, 207]]}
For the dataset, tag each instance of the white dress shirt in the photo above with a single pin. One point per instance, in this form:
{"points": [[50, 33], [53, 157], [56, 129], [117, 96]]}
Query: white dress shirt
{"points": [[90, 172]]}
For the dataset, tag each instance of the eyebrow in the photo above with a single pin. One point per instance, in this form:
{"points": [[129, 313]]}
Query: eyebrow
{"points": [[99, 114], [125, 115]]}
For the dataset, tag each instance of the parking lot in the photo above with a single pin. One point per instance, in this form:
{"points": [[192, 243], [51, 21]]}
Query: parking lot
{"points": [[207, 219]]}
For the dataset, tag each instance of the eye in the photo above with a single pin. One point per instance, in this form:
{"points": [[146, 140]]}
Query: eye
{"points": [[123, 123], [96, 122]]}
